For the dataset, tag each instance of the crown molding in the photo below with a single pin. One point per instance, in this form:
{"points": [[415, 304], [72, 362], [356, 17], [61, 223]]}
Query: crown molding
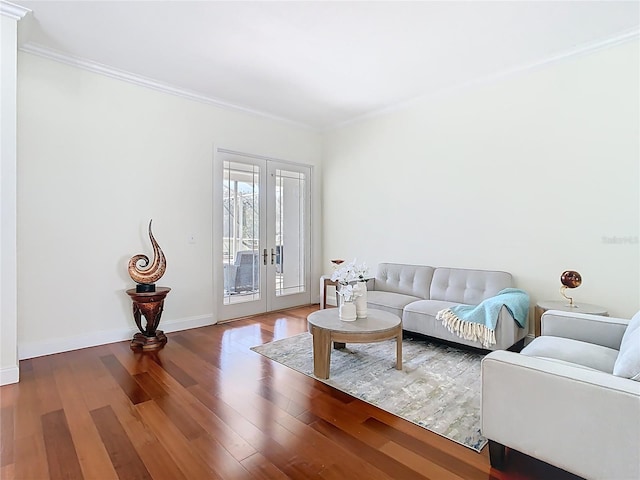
{"points": [[146, 82], [579, 50], [11, 10], [139, 80]]}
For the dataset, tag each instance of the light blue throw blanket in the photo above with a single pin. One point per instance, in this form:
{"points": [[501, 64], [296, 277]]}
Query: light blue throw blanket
{"points": [[478, 322]]}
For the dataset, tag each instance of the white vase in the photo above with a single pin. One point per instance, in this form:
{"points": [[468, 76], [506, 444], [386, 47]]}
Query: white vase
{"points": [[347, 311], [360, 289]]}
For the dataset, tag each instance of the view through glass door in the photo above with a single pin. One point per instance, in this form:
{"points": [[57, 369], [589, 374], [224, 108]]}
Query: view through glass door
{"points": [[265, 235]]}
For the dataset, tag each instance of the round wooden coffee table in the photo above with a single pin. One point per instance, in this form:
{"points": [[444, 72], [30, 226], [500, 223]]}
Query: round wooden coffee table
{"points": [[326, 328]]}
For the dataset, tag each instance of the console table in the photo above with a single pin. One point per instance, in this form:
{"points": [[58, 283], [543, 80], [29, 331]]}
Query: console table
{"points": [[148, 305]]}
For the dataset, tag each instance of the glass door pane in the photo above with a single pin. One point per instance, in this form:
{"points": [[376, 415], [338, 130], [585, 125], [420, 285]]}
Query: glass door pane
{"points": [[241, 232], [290, 232], [288, 235]]}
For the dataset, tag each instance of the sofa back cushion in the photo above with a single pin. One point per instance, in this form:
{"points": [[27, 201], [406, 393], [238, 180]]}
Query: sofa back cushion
{"points": [[628, 362], [414, 280], [467, 286]]}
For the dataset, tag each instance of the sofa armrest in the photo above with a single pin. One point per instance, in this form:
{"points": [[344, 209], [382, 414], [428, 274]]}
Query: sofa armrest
{"points": [[584, 421], [508, 332], [605, 331]]}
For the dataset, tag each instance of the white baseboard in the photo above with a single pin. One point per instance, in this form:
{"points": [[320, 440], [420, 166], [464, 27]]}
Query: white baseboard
{"points": [[58, 345], [9, 375]]}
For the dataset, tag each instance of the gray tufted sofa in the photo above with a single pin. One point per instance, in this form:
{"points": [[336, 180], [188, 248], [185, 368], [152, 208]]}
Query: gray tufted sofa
{"points": [[417, 292]]}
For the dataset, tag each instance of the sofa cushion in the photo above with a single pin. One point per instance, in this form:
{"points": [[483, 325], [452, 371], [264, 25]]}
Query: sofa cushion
{"points": [[628, 362], [390, 302], [429, 307], [413, 280], [585, 354], [467, 286], [420, 317]]}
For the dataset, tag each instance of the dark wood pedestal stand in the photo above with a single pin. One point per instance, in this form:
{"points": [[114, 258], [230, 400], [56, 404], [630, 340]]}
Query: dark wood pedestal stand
{"points": [[148, 305]]}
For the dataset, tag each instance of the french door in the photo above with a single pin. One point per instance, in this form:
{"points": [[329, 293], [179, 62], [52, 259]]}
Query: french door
{"points": [[264, 247]]}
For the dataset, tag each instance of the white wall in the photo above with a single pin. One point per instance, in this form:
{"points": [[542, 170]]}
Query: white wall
{"points": [[532, 174], [98, 158]]}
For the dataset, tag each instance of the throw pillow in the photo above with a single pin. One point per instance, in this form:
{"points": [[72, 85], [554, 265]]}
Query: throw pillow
{"points": [[628, 362]]}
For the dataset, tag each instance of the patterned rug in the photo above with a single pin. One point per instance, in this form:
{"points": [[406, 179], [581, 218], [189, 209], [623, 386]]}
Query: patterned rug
{"points": [[438, 387]]}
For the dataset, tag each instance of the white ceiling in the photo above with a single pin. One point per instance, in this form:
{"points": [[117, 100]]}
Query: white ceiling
{"points": [[321, 63]]}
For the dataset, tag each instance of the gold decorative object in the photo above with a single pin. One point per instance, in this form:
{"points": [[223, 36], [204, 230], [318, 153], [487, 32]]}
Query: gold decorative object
{"points": [[148, 274], [570, 279]]}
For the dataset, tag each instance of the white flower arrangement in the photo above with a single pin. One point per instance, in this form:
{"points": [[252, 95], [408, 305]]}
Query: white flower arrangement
{"points": [[349, 273], [347, 293], [361, 271]]}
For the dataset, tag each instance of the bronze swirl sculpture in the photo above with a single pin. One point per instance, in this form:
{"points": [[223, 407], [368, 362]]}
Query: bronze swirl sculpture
{"points": [[148, 274], [570, 279]]}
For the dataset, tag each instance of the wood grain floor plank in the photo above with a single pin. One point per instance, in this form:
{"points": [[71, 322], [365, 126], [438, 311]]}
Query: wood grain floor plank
{"points": [[281, 456], [128, 384], [125, 460], [8, 472], [287, 430], [45, 384], [88, 370], [218, 458], [327, 453], [155, 457], [208, 355], [202, 372], [402, 432], [134, 362], [211, 424], [172, 408], [427, 452], [388, 465], [92, 454], [31, 457], [8, 395], [7, 434], [29, 450], [262, 469], [61, 452], [181, 376], [174, 443], [421, 464]]}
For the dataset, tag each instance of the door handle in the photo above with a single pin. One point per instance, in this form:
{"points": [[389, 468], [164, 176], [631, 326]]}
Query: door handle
{"points": [[273, 256], [264, 256]]}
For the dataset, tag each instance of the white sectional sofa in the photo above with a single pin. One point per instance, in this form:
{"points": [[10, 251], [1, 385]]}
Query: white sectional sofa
{"points": [[417, 292]]}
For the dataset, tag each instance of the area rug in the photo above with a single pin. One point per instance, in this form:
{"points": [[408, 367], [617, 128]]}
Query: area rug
{"points": [[438, 387]]}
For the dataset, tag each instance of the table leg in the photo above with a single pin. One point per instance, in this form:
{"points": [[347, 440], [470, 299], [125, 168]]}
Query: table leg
{"points": [[538, 311], [321, 352], [399, 350]]}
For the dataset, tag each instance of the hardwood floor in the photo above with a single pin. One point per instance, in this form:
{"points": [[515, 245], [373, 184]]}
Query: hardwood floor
{"points": [[206, 407]]}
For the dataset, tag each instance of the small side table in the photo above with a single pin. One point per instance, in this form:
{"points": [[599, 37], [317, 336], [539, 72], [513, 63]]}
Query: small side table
{"points": [[149, 305], [544, 305], [325, 281]]}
